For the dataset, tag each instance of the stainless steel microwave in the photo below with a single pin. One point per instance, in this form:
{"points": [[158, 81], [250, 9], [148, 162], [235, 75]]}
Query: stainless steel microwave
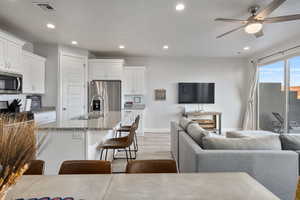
{"points": [[10, 83]]}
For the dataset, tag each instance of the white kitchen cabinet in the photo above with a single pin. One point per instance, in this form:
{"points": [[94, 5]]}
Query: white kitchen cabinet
{"points": [[129, 116], [10, 53], [134, 80], [33, 73], [2, 53], [14, 56], [106, 69]]}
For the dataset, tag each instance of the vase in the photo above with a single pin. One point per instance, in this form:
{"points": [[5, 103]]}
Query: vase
{"points": [[3, 195]]}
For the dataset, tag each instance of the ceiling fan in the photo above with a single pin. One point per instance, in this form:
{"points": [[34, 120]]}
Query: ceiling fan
{"points": [[254, 24]]}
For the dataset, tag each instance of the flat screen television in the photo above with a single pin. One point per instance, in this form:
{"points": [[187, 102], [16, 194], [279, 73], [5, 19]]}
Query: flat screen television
{"points": [[196, 93]]}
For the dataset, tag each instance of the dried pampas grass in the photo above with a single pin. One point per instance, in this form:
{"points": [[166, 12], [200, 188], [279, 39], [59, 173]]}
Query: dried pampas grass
{"points": [[18, 147]]}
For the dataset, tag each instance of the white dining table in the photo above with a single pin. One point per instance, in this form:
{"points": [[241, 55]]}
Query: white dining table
{"points": [[191, 186]]}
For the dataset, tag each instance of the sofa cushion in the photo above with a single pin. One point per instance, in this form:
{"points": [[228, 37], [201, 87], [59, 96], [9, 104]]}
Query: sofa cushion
{"points": [[290, 141], [184, 122], [269, 142], [196, 132], [248, 133]]}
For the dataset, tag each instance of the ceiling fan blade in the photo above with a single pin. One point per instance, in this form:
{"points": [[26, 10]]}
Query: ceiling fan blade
{"points": [[259, 34], [269, 9], [282, 18], [232, 20], [236, 29]]}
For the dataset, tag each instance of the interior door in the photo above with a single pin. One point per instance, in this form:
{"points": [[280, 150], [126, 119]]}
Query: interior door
{"points": [[73, 91]]}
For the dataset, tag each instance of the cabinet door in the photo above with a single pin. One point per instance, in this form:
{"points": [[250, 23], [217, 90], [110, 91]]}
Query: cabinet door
{"points": [[2, 53], [114, 71], [14, 56], [38, 84], [33, 74], [27, 74], [139, 78], [97, 71], [128, 82]]}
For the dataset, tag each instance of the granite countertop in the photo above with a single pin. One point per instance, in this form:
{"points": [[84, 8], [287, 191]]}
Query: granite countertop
{"points": [[90, 122], [135, 107], [44, 109]]}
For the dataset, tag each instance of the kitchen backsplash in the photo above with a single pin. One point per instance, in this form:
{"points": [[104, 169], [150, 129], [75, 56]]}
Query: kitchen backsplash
{"points": [[10, 98], [136, 99]]}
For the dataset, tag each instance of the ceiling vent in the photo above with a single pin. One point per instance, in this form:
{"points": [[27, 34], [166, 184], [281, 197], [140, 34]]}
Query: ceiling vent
{"points": [[45, 6]]}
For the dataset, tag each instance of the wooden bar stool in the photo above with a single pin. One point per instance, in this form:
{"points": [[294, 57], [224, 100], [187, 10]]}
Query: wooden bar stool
{"points": [[85, 167], [36, 167], [151, 166], [119, 143], [126, 129]]}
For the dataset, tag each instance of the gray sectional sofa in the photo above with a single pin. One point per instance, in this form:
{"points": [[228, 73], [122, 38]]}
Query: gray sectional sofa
{"points": [[277, 170]]}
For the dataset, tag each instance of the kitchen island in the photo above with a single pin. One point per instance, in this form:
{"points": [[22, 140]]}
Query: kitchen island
{"points": [[76, 139]]}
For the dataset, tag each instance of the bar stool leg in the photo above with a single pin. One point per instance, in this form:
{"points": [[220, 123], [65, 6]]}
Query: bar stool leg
{"points": [[101, 153], [126, 154], [130, 156], [113, 154], [136, 143], [106, 154]]}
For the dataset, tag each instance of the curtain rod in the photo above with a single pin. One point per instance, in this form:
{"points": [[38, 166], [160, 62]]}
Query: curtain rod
{"points": [[277, 53]]}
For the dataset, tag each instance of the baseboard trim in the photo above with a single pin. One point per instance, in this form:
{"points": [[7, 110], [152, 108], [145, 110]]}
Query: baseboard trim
{"points": [[158, 130]]}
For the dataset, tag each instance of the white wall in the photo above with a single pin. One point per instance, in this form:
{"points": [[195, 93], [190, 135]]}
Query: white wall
{"points": [[230, 75]]}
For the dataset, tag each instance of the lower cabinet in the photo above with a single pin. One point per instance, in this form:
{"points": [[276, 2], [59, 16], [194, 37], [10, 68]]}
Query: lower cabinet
{"points": [[33, 73], [130, 115]]}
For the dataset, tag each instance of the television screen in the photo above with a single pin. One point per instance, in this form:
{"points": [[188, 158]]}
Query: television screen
{"points": [[196, 93]]}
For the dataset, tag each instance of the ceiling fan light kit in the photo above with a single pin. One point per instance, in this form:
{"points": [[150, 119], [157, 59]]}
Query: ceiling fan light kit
{"points": [[254, 23], [253, 28]]}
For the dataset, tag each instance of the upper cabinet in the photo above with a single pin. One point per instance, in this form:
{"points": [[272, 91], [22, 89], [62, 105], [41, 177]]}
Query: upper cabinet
{"points": [[106, 69], [134, 80], [33, 73], [10, 53]]}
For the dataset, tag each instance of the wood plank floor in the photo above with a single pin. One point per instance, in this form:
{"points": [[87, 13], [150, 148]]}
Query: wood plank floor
{"points": [[151, 146]]}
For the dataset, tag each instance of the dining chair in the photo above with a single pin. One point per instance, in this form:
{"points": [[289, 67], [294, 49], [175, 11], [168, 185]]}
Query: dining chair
{"points": [[123, 143], [36, 167], [85, 167], [151, 166]]}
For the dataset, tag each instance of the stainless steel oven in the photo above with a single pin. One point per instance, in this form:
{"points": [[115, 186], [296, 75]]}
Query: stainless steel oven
{"points": [[10, 83]]}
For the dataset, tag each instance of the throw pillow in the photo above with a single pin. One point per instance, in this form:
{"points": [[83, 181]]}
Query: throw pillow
{"points": [[270, 142], [184, 122], [197, 132], [290, 141]]}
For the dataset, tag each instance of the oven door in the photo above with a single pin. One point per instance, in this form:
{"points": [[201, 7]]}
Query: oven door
{"points": [[10, 83]]}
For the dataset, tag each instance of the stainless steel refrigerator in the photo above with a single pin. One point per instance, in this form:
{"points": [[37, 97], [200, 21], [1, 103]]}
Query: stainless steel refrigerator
{"points": [[104, 96]]}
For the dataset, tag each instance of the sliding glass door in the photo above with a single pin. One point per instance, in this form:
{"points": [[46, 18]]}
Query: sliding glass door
{"points": [[279, 96], [294, 95], [271, 96]]}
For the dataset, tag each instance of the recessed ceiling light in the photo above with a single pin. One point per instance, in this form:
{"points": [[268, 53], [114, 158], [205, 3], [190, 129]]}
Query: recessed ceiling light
{"points": [[121, 47], [246, 48], [165, 47], [50, 26], [180, 7], [74, 42]]}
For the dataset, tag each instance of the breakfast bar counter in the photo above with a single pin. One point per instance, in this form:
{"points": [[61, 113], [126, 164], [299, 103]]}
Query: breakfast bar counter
{"points": [[193, 186], [92, 121], [76, 139]]}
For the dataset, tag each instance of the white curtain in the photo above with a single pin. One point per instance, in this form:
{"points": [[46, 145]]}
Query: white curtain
{"points": [[250, 120]]}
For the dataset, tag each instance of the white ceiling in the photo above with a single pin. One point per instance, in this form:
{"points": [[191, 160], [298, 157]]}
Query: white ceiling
{"points": [[144, 26]]}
